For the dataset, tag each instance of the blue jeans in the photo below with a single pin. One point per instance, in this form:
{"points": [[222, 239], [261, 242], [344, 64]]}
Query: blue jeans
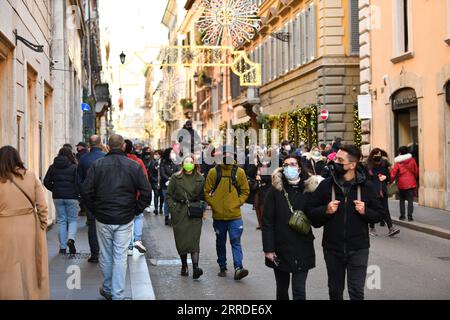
{"points": [[235, 229], [113, 241], [67, 215], [137, 230], [166, 205]]}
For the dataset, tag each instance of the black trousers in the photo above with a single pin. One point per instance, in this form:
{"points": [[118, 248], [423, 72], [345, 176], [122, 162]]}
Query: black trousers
{"points": [[407, 195], [355, 265], [158, 199], [92, 233], [386, 213], [298, 284]]}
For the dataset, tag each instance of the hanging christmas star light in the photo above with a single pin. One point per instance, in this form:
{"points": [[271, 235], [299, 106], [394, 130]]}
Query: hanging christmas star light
{"points": [[236, 20]]}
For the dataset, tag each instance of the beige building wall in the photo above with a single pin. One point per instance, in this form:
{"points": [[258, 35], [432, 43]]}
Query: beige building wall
{"points": [[424, 68]]}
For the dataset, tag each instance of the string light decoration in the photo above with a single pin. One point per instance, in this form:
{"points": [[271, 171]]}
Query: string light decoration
{"points": [[357, 126], [235, 20]]}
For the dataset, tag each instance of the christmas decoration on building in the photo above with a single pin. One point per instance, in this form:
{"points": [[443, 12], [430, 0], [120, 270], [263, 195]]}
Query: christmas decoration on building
{"points": [[234, 21]]}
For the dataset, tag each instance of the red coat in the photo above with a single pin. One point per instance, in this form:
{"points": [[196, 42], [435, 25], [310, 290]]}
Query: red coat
{"points": [[407, 171], [141, 163]]}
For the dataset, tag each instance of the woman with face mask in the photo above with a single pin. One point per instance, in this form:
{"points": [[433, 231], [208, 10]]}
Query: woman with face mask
{"points": [[166, 170], [288, 252], [186, 188], [315, 162], [378, 172]]}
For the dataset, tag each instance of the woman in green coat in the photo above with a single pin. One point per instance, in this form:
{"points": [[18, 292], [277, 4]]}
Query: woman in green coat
{"points": [[187, 185]]}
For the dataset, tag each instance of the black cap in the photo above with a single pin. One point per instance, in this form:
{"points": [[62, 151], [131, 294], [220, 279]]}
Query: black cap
{"points": [[81, 144]]}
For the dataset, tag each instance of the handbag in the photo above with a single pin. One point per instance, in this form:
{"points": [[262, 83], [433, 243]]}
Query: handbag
{"points": [[195, 210], [392, 188], [298, 221]]}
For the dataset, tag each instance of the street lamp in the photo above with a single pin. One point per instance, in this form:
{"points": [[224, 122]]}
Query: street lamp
{"points": [[196, 77], [122, 57]]}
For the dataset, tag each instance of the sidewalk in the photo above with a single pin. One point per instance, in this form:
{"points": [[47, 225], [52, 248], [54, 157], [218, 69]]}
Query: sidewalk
{"points": [[64, 269], [428, 220]]}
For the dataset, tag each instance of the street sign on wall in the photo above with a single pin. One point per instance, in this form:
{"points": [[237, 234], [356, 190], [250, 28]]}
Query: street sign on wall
{"points": [[324, 114]]}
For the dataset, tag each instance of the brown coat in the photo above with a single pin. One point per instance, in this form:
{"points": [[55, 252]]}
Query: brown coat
{"points": [[23, 245]]}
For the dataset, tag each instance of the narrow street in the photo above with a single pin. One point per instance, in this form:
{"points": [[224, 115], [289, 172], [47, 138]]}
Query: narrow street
{"points": [[410, 265]]}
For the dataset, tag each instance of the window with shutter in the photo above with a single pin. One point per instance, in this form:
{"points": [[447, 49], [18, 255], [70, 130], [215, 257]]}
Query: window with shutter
{"points": [[280, 56], [354, 27]]}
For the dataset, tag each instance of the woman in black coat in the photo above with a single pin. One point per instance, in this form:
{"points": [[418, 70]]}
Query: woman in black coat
{"points": [[287, 251], [377, 168], [61, 180]]}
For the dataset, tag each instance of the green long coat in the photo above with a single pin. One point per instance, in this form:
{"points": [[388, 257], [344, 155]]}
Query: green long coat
{"points": [[187, 230]]}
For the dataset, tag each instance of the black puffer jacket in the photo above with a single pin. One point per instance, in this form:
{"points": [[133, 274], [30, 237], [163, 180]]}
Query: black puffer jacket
{"points": [[295, 251], [346, 230], [61, 179], [166, 170], [112, 187]]}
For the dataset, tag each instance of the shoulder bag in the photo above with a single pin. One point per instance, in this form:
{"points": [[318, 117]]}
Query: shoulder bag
{"points": [[298, 221]]}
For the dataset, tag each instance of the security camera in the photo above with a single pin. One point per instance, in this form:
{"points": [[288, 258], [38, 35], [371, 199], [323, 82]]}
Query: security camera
{"points": [[385, 79]]}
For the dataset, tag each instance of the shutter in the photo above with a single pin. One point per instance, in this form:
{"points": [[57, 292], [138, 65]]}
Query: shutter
{"points": [[303, 35], [354, 20], [292, 45], [298, 41], [286, 51], [313, 33], [262, 60]]}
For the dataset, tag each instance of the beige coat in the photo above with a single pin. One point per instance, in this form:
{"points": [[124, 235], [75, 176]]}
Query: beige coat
{"points": [[23, 245]]}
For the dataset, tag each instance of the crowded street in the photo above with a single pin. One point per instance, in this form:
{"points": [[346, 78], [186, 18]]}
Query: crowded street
{"points": [[199, 151]]}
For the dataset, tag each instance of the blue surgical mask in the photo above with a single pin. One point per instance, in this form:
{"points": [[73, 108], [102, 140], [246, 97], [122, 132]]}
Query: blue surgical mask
{"points": [[291, 173]]}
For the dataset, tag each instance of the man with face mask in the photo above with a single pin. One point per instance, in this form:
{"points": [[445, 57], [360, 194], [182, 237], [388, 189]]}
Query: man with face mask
{"points": [[285, 151], [345, 204], [226, 190], [194, 138]]}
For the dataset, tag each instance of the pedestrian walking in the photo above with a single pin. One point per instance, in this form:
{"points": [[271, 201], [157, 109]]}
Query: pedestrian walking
{"points": [[264, 181], [166, 170], [61, 180], [82, 149], [226, 190], [85, 164], [377, 167], [155, 181], [23, 223], [288, 252], [345, 204], [136, 242], [184, 194], [111, 192], [405, 173], [314, 162]]}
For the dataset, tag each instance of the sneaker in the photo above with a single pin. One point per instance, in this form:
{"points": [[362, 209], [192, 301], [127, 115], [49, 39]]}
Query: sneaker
{"points": [[402, 218], [93, 259], [222, 273], [62, 251], [393, 232], [104, 294], [410, 219], [130, 252], [373, 232], [240, 273], [198, 272], [71, 245], [140, 247]]}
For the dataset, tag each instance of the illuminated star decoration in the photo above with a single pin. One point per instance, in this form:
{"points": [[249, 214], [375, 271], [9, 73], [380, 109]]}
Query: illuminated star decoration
{"points": [[232, 19]]}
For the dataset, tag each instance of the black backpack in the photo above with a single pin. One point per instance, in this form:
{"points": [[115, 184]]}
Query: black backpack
{"points": [[233, 179]]}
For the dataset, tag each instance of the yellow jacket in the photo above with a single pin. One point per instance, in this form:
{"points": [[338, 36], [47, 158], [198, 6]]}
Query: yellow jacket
{"points": [[225, 202]]}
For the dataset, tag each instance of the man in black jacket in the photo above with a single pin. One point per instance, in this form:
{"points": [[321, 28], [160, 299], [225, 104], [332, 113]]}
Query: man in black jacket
{"points": [[115, 190], [345, 204]]}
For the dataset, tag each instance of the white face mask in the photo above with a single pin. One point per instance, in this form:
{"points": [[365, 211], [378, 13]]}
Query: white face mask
{"points": [[287, 148], [173, 156]]}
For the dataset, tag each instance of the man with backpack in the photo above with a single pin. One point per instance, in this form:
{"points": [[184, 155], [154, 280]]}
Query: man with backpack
{"points": [[345, 204], [226, 190]]}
